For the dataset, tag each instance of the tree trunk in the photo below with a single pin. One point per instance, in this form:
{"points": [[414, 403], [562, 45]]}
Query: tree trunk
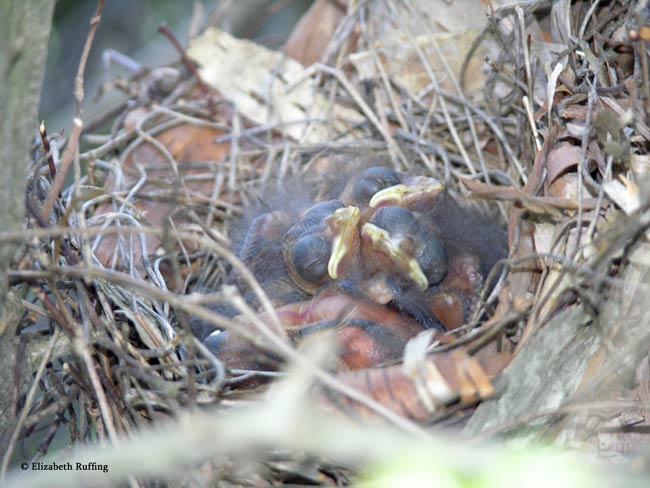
{"points": [[24, 33]]}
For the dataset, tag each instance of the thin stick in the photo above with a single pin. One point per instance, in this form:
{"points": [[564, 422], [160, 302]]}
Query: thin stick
{"points": [[72, 147], [48, 150]]}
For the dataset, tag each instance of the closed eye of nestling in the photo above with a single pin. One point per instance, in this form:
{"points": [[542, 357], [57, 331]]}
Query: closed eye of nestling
{"points": [[310, 255]]}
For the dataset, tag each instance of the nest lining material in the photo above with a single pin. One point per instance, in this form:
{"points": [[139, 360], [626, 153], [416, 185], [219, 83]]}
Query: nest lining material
{"points": [[165, 188]]}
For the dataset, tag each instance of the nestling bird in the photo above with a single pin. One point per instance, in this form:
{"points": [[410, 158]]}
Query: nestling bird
{"points": [[397, 250]]}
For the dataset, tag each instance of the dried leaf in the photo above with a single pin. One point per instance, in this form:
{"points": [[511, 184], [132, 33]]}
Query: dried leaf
{"points": [[310, 37], [576, 131], [268, 87], [551, 84], [522, 279], [561, 158], [561, 31], [575, 112], [566, 187], [401, 61], [186, 143], [453, 27], [640, 164], [624, 193]]}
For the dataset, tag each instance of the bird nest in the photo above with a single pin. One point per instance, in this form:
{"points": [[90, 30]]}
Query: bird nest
{"points": [[536, 117]]}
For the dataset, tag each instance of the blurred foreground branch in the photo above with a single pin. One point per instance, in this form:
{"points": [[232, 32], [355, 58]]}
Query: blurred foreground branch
{"points": [[282, 422]]}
